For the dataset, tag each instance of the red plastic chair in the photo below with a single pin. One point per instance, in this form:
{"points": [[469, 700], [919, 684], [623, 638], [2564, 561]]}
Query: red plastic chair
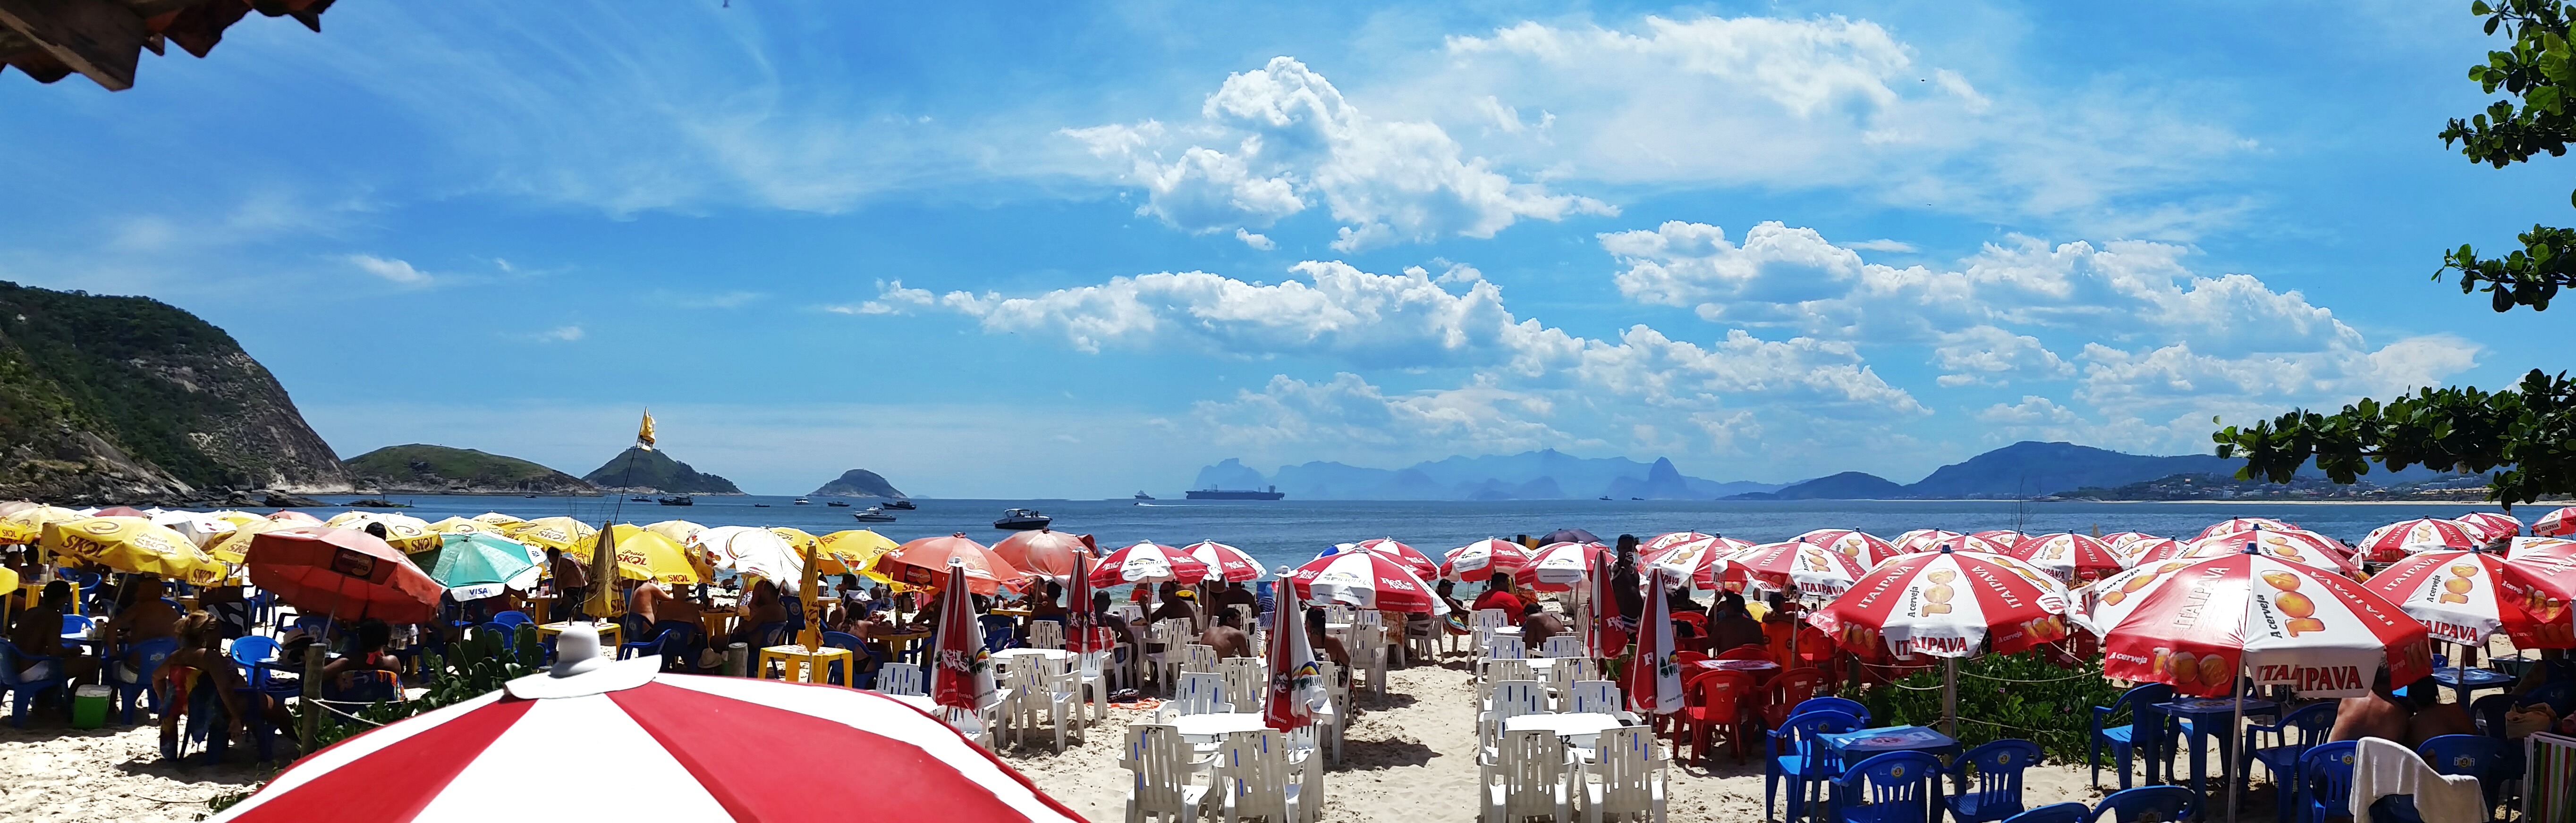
{"points": [[1787, 691], [1748, 651], [1718, 703]]}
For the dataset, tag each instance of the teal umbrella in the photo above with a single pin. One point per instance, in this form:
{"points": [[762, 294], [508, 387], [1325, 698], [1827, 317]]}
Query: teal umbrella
{"points": [[476, 565]]}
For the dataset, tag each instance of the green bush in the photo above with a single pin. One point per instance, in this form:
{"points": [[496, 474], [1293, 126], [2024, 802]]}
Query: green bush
{"points": [[475, 666], [2002, 697]]}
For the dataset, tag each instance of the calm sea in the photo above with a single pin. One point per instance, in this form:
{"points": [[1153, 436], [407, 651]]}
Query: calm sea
{"points": [[1291, 531]]}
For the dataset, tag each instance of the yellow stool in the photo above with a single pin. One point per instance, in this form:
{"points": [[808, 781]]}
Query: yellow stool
{"points": [[814, 663], [610, 635]]}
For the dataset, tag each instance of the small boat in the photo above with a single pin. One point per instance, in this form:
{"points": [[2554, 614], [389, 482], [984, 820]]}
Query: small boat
{"points": [[872, 514], [530, 496], [1019, 520], [900, 503], [639, 499], [836, 504], [677, 501], [804, 502], [1605, 497], [1141, 497], [760, 505]]}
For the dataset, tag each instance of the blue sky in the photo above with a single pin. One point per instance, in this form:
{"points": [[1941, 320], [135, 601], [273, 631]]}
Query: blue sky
{"points": [[1076, 251]]}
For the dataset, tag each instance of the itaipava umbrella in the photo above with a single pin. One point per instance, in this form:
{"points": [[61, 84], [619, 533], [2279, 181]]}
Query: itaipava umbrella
{"points": [[1857, 545], [1226, 564], [133, 545], [2492, 525], [984, 571], [1147, 562], [1702, 563], [1667, 540], [2293, 545], [687, 748], [1804, 568], [2067, 556], [1483, 559], [476, 565], [2462, 597], [1366, 580], [2393, 542], [1044, 551], [2115, 540], [347, 574], [2557, 523], [1920, 540], [2238, 524], [2137, 551], [1947, 604], [1556, 566]]}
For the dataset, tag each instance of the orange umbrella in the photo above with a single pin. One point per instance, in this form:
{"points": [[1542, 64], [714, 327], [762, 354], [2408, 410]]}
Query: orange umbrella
{"points": [[1044, 551], [923, 562]]}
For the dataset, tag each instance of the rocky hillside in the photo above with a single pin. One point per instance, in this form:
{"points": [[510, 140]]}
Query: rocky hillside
{"points": [[858, 483], [655, 472], [427, 469], [129, 399]]}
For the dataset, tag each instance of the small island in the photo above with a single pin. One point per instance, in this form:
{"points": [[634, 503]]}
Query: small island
{"points": [[859, 483]]}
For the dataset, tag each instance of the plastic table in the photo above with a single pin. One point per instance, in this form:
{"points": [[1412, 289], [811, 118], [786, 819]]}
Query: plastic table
{"points": [[1578, 728], [815, 663], [2466, 682], [2206, 716], [1214, 726], [1855, 746]]}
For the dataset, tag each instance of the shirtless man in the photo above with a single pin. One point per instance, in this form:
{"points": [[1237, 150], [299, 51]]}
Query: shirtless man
{"points": [[647, 599], [2433, 718], [1326, 644], [145, 618], [1538, 624], [1226, 634], [2377, 714]]}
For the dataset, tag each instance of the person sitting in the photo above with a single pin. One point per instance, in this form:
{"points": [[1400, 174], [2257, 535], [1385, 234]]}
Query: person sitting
{"points": [[1538, 624], [39, 632], [1050, 606], [372, 636], [2433, 718], [1324, 643], [762, 608], [1731, 625], [646, 601], [1175, 604], [1681, 601], [144, 617], [1107, 618], [2377, 714], [1235, 594], [201, 653], [1226, 634], [1498, 595], [1447, 590], [2553, 667]]}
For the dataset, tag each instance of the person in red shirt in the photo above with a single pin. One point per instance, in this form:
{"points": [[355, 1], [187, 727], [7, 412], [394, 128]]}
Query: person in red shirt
{"points": [[1498, 595]]}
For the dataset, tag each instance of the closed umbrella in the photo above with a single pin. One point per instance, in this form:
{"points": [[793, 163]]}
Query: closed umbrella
{"points": [[476, 565], [686, 748], [1225, 563], [1655, 675], [961, 671], [1857, 545], [349, 575], [1147, 562], [1483, 559], [1296, 694], [1365, 580], [1044, 551], [1082, 629]]}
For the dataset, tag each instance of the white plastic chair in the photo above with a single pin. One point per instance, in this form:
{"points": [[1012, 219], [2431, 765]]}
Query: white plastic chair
{"points": [[1422, 639], [1091, 680], [1046, 634], [1200, 658], [1246, 682], [1199, 693], [1263, 782], [1563, 645], [1501, 670], [901, 678], [1563, 673], [1037, 693], [1512, 698], [1160, 786], [1166, 664], [1483, 625], [1594, 697], [1627, 777], [1506, 647], [1528, 775], [1340, 694]]}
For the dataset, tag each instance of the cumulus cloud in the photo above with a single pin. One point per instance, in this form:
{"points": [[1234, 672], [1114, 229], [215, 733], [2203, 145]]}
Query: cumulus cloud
{"points": [[1986, 355], [397, 271], [892, 298], [1257, 241], [1280, 139]]}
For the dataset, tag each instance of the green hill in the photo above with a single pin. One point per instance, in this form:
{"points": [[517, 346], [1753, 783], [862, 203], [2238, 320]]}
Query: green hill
{"points": [[131, 399], [859, 483], [656, 472], [420, 467]]}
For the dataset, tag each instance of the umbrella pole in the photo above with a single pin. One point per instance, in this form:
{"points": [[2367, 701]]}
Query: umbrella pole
{"points": [[1950, 697], [2225, 744]]}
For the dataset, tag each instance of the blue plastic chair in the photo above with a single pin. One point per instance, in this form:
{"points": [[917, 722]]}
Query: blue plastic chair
{"points": [[2291, 737], [1897, 786], [512, 619], [666, 645], [1792, 753], [999, 632], [1996, 792], [2055, 813], [509, 634], [75, 624], [2147, 804], [1832, 704], [2561, 697], [2475, 755], [858, 652], [23, 691], [2325, 781], [769, 634], [2144, 735], [149, 654]]}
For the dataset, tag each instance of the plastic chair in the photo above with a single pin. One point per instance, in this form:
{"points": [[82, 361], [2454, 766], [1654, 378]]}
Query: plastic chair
{"points": [[2509, 766], [1259, 779], [999, 632], [149, 654], [1626, 777], [24, 690], [2129, 739], [1593, 697], [1748, 651], [1158, 762], [2325, 781], [1791, 689], [1720, 701], [858, 652], [363, 686], [666, 645], [901, 679], [1898, 786], [2475, 755], [512, 619], [1200, 693], [1526, 774], [2147, 804], [1046, 634], [2291, 737], [1792, 753], [2055, 813], [1511, 698], [74, 624], [1832, 704], [1997, 792]]}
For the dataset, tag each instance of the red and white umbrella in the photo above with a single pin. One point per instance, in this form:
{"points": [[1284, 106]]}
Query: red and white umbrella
{"points": [[1147, 562], [2296, 546], [2115, 540], [2395, 541], [1947, 604], [1857, 545], [1655, 675], [2146, 550], [1920, 540], [1225, 563], [1600, 605], [2000, 537], [1702, 562], [2239, 524], [2462, 597], [1556, 566], [686, 748], [1668, 540], [1422, 565], [1484, 558], [2067, 556], [2195, 624], [985, 571], [1297, 692], [961, 673], [2552, 564], [1082, 629], [1804, 568], [2492, 525], [1366, 580], [2559, 523], [1980, 543]]}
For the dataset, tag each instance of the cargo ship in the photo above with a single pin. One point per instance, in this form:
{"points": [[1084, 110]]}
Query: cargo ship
{"points": [[1228, 494]]}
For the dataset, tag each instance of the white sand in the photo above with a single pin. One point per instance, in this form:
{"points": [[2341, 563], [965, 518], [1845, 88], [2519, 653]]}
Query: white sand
{"points": [[50, 773]]}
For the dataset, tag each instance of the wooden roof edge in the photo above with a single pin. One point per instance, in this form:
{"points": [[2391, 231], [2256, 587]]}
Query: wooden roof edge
{"points": [[104, 39]]}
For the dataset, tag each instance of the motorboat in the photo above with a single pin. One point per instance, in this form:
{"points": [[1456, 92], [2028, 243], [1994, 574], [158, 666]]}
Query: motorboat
{"points": [[1020, 520], [1142, 497], [804, 502], [872, 514], [683, 500], [639, 499], [836, 504], [900, 503]]}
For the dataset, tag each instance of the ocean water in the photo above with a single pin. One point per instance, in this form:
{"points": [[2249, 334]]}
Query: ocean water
{"points": [[1292, 531]]}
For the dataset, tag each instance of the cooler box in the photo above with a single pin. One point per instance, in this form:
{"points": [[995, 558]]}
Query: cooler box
{"points": [[89, 706]]}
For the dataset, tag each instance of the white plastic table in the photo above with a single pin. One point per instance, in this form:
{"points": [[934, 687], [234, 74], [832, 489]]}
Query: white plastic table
{"points": [[1215, 726], [1578, 728], [1024, 651]]}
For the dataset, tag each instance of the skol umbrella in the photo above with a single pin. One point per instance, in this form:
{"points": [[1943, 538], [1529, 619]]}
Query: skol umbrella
{"points": [[13, 533], [558, 533], [1920, 540], [134, 545], [1147, 562], [2238, 524], [856, 549], [1296, 694], [2492, 525], [687, 748], [347, 574], [2395, 541], [1421, 564], [678, 530], [476, 565], [462, 525], [961, 671], [984, 571], [1044, 551], [1556, 566], [1225, 563], [294, 517], [1483, 559], [499, 519], [1655, 675], [2557, 523], [1857, 545], [403, 532], [645, 555], [1366, 580], [2067, 556], [233, 545]]}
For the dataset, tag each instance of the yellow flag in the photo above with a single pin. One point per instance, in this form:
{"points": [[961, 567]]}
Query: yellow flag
{"points": [[644, 432]]}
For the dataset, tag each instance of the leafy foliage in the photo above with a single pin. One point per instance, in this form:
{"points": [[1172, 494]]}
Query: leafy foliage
{"points": [[474, 666], [2002, 696], [2539, 68]]}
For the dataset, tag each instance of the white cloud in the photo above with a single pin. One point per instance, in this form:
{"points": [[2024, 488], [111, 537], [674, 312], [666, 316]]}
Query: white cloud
{"points": [[560, 334], [892, 298], [1348, 410], [2033, 410], [1985, 355], [1280, 139], [1256, 241], [1881, 244], [397, 271]]}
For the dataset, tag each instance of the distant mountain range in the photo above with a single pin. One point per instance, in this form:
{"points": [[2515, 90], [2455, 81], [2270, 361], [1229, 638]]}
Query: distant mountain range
{"points": [[424, 468], [1547, 474], [2031, 469]]}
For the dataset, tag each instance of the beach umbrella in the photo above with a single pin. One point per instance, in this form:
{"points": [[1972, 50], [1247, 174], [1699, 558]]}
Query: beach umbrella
{"points": [[1668, 540], [2551, 562], [347, 574], [961, 671], [2557, 523], [1225, 564], [1655, 674], [645, 555], [234, 544], [1702, 563], [235, 517], [10, 507], [2000, 537], [2140, 551], [2115, 540], [13, 532], [460, 525], [1366, 580], [404, 532], [1986, 542], [2067, 556], [1947, 604], [2239, 524], [1568, 536], [132, 545], [1857, 545], [1920, 540], [984, 571], [38, 516], [687, 748], [2462, 597], [558, 533], [1147, 562], [755, 552], [1044, 551], [200, 529], [476, 565], [1484, 558], [294, 517], [122, 511], [1297, 693], [856, 550], [2395, 541], [2293, 545], [499, 519], [1421, 564], [1804, 568], [678, 530], [2492, 525], [1555, 566]]}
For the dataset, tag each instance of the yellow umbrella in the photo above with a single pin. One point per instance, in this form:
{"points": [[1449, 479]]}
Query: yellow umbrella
{"points": [[678, 530], [407, 534], [12, 532], [235, 517], [41, 515], [559, 533], [133, 544], [499, 519], [459, 525], [802, 540], [857, 549], [237, 543], [648, 555]]}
